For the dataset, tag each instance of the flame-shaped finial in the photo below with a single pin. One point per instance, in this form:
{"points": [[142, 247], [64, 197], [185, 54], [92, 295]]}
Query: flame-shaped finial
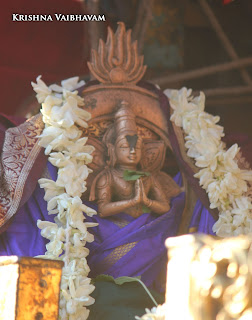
{"points": [[117, 61]]}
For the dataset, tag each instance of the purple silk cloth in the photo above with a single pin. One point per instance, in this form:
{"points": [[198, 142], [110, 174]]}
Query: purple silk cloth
{"points": [[123, 246], [22, 237], [137, 249]]}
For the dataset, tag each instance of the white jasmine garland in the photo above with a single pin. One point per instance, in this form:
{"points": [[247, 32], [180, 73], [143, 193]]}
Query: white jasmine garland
{"points": [[67, 150], [226, 184], [156, 313]]}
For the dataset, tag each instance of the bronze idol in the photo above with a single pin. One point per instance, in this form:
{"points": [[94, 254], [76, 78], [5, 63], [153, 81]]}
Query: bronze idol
{"points": [[128, 123]]}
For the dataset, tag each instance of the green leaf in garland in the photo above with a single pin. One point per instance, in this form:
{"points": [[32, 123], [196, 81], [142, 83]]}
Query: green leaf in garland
{"points": [[145, 209], [131, 175]]}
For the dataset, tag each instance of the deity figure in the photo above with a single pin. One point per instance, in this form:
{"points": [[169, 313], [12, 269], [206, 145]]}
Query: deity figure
{"points": [[114, 193]]}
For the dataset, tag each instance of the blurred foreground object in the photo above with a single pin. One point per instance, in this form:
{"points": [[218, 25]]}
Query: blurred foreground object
{"points": [[29, 288], [209, 279]]}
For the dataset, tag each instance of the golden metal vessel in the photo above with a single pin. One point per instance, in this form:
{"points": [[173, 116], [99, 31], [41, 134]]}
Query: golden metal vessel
{"points": [[29, 288]]}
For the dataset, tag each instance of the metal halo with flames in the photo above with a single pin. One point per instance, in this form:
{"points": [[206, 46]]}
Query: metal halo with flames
{"points": [[118, 67], [117, 61]]}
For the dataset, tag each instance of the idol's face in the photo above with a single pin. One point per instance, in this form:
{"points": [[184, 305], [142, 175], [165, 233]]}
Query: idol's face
{"points": [[128, 152]]}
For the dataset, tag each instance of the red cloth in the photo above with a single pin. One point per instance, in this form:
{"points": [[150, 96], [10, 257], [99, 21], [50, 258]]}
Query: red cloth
{"points": [[53, 49]]}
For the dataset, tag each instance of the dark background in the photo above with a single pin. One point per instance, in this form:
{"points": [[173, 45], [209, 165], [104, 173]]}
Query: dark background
{"points": [[178, 38]]}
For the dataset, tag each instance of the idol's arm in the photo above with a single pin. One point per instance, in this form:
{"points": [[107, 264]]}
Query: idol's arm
{"points": [[108, 208], [160, 204]]}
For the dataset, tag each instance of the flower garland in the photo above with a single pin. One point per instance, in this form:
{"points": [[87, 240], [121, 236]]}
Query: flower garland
{"points": [[227, 185], [156, 313], [68, 151]]}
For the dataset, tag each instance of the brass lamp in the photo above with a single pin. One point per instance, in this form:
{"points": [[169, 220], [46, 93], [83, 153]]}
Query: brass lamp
{"points": [[29, 288]]}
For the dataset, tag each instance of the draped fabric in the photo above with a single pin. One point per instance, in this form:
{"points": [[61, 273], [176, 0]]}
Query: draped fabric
{"points": [[22, 237], [135, 247], [123, 246], [21, 163]]}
